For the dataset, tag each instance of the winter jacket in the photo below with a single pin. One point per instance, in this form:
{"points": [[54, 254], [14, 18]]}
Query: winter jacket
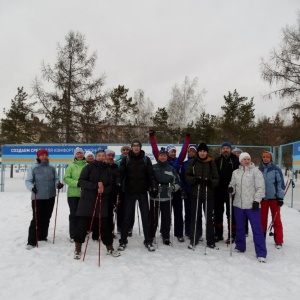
{"points": [[225, 168], [136, 173], [90, 175], [205, 169], [248, 186], [174, 162], [274, 182], [72, 175], [165, 175], [44, 177]]}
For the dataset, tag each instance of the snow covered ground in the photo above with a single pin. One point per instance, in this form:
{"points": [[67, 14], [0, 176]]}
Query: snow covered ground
{"points": [[50, 272]]}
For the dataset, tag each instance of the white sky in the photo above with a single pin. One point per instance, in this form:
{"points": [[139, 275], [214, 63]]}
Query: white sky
{"points": [[149, 44]]}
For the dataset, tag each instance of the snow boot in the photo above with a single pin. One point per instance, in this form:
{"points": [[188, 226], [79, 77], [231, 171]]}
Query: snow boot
{"points": [[214, 247], [278, 246], [191, 247], [261, 259], [77, 252], [112, 252], [150, 247], [121, 247], [29, 246], [167, 242], [180, 239]]}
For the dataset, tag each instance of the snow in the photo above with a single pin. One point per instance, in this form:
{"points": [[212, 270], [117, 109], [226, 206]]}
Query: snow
{"points": [[50, 272]]}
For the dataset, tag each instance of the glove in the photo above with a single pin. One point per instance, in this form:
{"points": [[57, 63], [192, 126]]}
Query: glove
{"points": [[230, 190], [34, 190], [153, 193], [207, 181], [171, 188], [255, 206], [188, 134], [60, 186], [279, 202], [198, 180], [160, 189], [151, 132], [183, 194], [119, 188]]}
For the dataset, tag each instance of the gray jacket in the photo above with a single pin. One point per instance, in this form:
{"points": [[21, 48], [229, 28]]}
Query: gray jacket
{"points": [[248, 186], [45, 178]]}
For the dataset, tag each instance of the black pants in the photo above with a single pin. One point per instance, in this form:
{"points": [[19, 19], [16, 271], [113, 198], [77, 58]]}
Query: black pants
{"points": [[73, 205], [208, 222], [44, 212], [187, 214], [178, 216], [165, 223], [83, 225], [130, 200], [222, 197], [120, 212]]}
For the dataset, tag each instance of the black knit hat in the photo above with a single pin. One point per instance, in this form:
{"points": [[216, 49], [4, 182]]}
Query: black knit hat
{"points": [[162, 151], [136, 141], [202, 146]]}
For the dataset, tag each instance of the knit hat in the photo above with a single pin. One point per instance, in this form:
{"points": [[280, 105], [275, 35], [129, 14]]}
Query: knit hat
{"points": [[109, 151], [88, 153], [244, 155], [193, 146], [170, 147], [136, 141], [238, 150], [267, 154], [78, 150], [41, 152], [226, 144], [125, 147], [162, 151], [202, 146], [99, 151]]}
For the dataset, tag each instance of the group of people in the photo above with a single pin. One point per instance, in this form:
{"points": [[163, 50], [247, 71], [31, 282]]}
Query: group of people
{"points": [[103, 191]]}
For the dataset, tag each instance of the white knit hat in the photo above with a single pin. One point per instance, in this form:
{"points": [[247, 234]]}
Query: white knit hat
{"points": [[78, 150], [87, 153], [244, 155]]}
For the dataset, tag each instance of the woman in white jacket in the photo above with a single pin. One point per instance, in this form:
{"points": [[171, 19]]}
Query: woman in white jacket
{"points": [[247, 183]]}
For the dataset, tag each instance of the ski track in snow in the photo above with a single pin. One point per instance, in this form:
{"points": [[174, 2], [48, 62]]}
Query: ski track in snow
{"points": [[50, 272]]}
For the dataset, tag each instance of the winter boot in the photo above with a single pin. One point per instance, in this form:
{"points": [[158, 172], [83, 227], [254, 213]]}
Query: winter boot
{"points": [[167, 242], [29, 246], [214, 247], [111, 251], [262, 259], [278, 246], [77, 252], [121, 247], [150, 247], [180, 239]]}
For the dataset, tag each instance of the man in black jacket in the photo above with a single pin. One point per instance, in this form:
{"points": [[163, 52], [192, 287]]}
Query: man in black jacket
{"points": [[226, 163], [136, 175]]}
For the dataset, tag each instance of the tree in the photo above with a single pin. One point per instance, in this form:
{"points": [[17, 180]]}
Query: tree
{"points": [[145, 108], [17, 127], [120, 107], [237, 122], [185, 103], [64, 107], [283, 66]]}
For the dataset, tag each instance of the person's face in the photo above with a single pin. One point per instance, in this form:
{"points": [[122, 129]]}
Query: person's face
{"points": [[110, 157], [266, 159], [226, 151], [237, 153], [246, 161], [125, 151], [202, 154], [172, 153], [44, 157], [79, 155], [192, 152], [136, 148], [89, 158], [100, 156], [162, 157]]}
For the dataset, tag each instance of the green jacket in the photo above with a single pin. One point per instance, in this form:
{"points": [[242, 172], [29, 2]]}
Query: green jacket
{"points": [[72, 175]]}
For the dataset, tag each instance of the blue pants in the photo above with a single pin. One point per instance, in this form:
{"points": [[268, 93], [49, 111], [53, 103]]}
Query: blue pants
{"points": [[258, 236], [178, 216]]}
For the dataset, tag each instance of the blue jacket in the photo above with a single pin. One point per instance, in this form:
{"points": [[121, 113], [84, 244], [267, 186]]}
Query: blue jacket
{"points": [[45, 178], [274, 182]]}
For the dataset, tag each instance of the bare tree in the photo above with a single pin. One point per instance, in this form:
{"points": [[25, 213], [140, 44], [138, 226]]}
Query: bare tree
{"points": [[145, 108]]}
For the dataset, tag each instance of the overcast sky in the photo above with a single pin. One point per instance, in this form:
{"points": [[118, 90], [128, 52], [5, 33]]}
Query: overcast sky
{"points": [[149, 45]]}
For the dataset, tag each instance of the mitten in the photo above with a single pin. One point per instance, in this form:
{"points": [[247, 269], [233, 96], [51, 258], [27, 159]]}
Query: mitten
{"points": [[151, 132], [34, 190], [230, 190], [255, 205], [279, 202], [60, 185]]}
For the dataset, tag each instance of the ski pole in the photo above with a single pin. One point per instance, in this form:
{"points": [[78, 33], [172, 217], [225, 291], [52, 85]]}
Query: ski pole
{"points": [[99, 227], [272, 224], [205, 219], [196, 217], [230, 223], [55, 216], [171, 214], [36, 222], [90, 229], [137, 210], [155, 227]]}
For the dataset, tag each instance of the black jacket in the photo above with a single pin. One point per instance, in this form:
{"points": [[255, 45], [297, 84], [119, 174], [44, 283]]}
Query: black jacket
{"points": [[88, 180], [136, 173]]}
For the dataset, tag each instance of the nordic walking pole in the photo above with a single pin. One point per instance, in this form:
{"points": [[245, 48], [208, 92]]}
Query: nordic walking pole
{"points": [[205, 219], [90, 229], [99, 227], [171, 214], [36, 222], [115, 215], [55, 216], [158, 211], [230, 223], [198, 193], [270, 228], [137, 210]]}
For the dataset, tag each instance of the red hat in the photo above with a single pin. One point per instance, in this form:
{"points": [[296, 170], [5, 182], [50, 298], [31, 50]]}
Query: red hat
{"points": [[41, 152]]}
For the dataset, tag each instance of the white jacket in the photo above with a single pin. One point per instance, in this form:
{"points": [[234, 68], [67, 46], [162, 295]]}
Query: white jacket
{"points": [[248, 186]]}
